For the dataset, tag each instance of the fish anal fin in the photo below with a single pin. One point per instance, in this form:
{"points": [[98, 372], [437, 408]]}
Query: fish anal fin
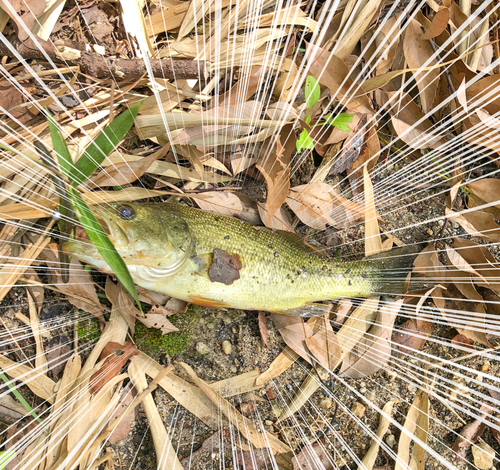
{"points": [[206, 302]]}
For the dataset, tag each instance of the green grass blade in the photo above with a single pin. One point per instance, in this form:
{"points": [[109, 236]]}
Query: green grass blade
{"points": [[103, 244], [60, 147], [103, 145], [5, 457], [20, 398]]}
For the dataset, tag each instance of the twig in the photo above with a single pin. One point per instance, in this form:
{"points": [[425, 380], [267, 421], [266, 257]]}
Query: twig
{"points": [[97, 66]]}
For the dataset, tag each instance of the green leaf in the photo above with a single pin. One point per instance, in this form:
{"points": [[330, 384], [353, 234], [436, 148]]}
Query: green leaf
{"points": [[5, 457], [103, 145], [308, 119], [304, 141], [103, 244], [340, 121], [312, 91], [60, 147]]}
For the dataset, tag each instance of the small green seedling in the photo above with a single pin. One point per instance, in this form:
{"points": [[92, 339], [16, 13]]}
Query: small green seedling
{"points": [[312, 95]]}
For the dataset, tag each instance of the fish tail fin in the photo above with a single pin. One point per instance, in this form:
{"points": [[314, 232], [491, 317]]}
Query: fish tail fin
{"points": [[393, 268]]}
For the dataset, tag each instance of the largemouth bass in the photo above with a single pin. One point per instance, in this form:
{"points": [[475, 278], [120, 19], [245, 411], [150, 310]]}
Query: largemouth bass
{"points": [[217, 261]]}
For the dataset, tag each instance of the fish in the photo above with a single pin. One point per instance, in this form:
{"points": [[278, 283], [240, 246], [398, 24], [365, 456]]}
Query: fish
{"points": [[223, 262]]}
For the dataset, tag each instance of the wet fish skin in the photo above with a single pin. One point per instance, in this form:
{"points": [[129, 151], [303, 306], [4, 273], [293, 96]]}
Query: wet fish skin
{"points": [[218, 261]]}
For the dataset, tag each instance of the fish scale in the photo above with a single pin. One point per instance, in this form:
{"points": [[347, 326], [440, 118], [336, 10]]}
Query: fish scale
{"points": [[259, 269]]}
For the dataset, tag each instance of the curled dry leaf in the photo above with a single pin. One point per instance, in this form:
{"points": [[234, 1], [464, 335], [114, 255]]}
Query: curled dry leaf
{"points": [[279, 221], [294, 332], [115, 356], [122, 430], [418, 53], [275, 166], [263, 327], [318, 205], [324, 345], [374, 349], [472, 431], [410, 338], [229, 204], [438, 24], [477, 223], [158, 321]]}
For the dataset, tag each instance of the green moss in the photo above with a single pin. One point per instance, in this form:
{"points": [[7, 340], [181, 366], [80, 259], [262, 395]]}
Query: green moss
{"points": [[88, 329], [153, 343]]}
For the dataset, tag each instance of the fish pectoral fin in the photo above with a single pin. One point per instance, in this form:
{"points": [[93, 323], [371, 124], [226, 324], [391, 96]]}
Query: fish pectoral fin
{"points": [[206, 302], [308, 310]]}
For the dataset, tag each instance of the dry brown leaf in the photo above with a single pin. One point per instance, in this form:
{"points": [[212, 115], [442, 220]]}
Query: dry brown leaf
{"points": [[313, 457], [477, 223], [122, 430], [119, 174], [472, 431], [279, 221], [26, 13], [418, 53], [324, 345], [411, 337], [230, 204], [373, 241], [294, 332], [80, 283], [371, 456], [263, 327], [334, 74], [319, 205], [438, 24], [158, 321], [115, 356], [416, 425], [374, 350], [404, 119], [275, 167], [123, 303], [461, 264]]}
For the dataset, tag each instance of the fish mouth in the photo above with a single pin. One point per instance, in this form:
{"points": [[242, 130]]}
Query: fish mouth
{"points": [[82, 246]]}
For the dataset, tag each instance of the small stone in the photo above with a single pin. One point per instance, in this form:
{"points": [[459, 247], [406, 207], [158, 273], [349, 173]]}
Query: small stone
{"points": [[226, 347], [326, 403], [248, 407], [362, 390], [412, 388], [390, 440], [358, 409], [226, 319], [233, 369], [268, 422], [271, 394], [485, 367], [276, 410], [202, 348], [483, 456], [391, 375]]}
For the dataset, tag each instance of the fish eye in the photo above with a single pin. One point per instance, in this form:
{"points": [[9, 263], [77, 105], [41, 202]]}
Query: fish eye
{"points": [[126, 212]]}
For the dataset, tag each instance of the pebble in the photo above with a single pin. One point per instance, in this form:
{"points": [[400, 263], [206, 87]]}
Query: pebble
{"points": [[276, 410], [233, 369], [226, 319], [358, 409], [271, 394], [248, 407], [483, 456], [226, 347], [326, 403], [202, 348], [268, 422], [362, 390], [390, 440], [412, 388], [485, 367]]}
